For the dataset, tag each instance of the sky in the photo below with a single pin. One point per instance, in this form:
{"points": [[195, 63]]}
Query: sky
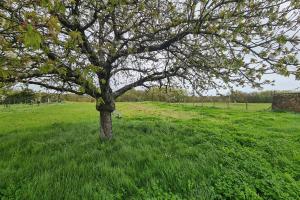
{"points": [[281, 83]]}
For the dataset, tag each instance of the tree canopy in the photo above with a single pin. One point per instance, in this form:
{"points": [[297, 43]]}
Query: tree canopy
{"points": [[104, 48]]}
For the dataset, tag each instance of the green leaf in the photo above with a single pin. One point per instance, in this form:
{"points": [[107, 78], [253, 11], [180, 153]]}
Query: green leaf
{"points": [[74, 40], [99, 101], [59, 7], [282, 40], [103, 81], [32, 38], [54, 26], [45, 3], [62, 71], [4, 74], [298, 74], [81, 89], [46, 68]]}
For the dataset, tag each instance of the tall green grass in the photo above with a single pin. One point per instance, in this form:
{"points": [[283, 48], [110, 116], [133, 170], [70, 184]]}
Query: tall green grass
{"points": [[160, 151]]}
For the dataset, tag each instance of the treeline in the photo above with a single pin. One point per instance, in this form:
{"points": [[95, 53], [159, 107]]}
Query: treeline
{"points": [[28, 96], [180, 95], [155, 94], [17, 97], [171, 95], [253, 97]]}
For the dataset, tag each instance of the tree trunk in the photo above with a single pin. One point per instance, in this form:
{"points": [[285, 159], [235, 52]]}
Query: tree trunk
{"points": [[105, 105], [105, 125], [105, 110]]}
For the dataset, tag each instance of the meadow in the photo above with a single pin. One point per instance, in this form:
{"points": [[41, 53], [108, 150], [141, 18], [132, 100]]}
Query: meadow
{"points": [[159, 151]]}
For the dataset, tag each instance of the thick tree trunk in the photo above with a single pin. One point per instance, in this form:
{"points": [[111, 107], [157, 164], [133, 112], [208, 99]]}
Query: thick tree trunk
{"points": [[105, 105], [105, 109], [105, 125]]}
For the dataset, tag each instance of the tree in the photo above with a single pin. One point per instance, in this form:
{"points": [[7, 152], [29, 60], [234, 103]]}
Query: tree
{"points": [[5, 90], [20, 96], [104, 48]]}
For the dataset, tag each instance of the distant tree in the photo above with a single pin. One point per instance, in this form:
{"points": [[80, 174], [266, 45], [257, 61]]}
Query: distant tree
{"points": [[167, 94], [105, 48], [253, 97], [23, 96], [132, 95], [238, 96], [5, 90]]}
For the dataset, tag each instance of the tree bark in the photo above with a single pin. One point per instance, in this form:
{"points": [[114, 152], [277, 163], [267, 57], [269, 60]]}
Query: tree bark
{"points": [[105, 110], [105, 105], [105, 125]]}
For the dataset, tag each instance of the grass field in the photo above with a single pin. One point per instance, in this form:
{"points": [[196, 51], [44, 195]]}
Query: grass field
{"points": [[160, 151]]}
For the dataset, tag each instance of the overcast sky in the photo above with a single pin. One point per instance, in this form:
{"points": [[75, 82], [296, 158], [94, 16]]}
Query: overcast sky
{"points": [[281, 83]]}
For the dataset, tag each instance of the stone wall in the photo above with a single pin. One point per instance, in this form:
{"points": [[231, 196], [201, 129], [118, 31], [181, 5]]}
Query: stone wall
{"points": [[288, 101]]}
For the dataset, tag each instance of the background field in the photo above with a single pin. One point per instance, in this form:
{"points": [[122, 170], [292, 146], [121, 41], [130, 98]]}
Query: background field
{"points": [[160, 151]]}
